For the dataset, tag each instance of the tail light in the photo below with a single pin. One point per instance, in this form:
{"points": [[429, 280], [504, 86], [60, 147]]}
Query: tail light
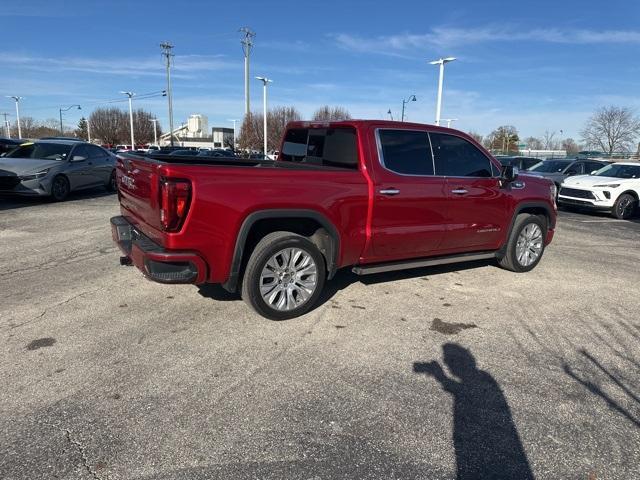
{"points": [[175, 197]]}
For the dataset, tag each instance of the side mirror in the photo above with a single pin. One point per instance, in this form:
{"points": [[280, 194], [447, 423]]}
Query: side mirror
{"points": [[593, 172], [509, 173], [78, 158]]}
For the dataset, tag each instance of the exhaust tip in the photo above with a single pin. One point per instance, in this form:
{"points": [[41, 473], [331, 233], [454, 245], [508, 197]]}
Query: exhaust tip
{"points": [[126, 261]]}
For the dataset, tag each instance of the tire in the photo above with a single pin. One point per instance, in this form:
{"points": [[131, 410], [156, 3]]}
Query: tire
{"points": [[625, 207], [112, 186], [532, 230], [291, 282], [60, 188]]}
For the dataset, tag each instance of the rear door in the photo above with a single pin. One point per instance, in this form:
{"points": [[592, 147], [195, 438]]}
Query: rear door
{"points": [[476, 202], [409, 202], [101, 164]]}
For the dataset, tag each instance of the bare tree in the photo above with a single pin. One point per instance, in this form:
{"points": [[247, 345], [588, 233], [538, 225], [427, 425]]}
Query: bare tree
{"points": [[612, 129], [109, 125], [533, 143], [331, 114], [143, 126], [570, 146], [476, 136], [32, 128], [504, 138], [547, 140], [251, 131]]}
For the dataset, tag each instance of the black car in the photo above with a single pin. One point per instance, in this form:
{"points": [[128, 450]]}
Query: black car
{"points": [[523, 163], [8, 144]]}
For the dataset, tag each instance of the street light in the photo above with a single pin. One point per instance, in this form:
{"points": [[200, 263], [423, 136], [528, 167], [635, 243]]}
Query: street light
{"points": [[130, 95], [155, 131], [390, 114], [264, 81], [234, 132], [17, 99], [449, 120], [66, 110], [412, 98], [441, 62]]}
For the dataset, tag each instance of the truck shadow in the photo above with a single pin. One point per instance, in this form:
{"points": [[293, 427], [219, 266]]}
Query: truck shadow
{"points": [[8, 202], [345, 278]]}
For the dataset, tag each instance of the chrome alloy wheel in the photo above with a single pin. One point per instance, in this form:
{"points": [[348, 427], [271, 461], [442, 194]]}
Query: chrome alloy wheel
{"points": [[529, 244], [288, 279], [625, 207]]}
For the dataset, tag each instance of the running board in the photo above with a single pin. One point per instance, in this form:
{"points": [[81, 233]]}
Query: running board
{"points": [[425, 262]]}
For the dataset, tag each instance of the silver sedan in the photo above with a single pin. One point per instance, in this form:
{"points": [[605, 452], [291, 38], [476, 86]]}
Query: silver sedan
{"points": [[55, 168]]}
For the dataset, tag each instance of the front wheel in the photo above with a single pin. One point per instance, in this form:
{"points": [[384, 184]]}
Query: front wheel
{"points": [[60, 189], [625, 207], [284, 276], [525, 245]]}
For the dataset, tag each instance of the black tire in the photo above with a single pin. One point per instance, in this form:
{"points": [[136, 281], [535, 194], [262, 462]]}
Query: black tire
{"points": [[60, 188], [112, 186], [510, 259], [269, 246], [625, 206]]}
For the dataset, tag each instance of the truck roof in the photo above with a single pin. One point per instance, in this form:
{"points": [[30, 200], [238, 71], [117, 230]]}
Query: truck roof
{"points": [[364, 123]]}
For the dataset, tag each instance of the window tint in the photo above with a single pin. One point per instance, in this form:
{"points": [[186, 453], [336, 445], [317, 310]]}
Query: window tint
{"points": [[332, 147], [406, 152], [529, 162], [96, 152], [455, 157], [47, 151], [591, 166], [80, 151], [575, 169]]}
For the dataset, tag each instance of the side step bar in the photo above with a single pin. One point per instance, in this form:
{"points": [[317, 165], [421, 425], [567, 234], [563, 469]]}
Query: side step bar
{"points": [[425, 262]]}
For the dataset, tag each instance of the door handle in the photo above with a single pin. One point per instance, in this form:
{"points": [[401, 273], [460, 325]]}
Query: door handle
{"points": [[390, 191], [459, 191]]}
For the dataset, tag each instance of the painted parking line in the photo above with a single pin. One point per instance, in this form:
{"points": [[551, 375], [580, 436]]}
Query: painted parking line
{"points": [[611, 220]]}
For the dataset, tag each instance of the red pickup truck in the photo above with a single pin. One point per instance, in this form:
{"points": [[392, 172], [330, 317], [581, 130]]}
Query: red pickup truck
{"points": [[373, 195]]}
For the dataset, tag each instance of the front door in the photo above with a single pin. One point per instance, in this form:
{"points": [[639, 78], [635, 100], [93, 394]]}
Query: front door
{"points": [[410, 207], [477, 207]]}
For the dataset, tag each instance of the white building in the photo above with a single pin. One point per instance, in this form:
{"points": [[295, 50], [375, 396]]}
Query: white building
{"points": [[196, 133]]}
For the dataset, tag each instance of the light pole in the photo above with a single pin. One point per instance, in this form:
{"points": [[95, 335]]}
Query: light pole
{"points": [[88, 130], [412, 98], [234, 132], [130, 95], [66, 110], [449, 120], [167, 51], [247, 44], [390, 114], [17, 99], [155, 131], [441, 62], [264, 81], [6, 124]]}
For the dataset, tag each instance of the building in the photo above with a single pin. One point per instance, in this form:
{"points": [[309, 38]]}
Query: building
{"points": [[196, 133]]}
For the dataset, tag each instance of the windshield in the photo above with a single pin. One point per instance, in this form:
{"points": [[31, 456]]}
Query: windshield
{"points": [[550, 166], [619, 171], [44, 151]]}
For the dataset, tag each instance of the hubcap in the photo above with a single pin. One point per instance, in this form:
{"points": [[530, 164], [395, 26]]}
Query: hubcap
{"points": [[288, 279], [529, 245], [625, 206], [59, 188]]}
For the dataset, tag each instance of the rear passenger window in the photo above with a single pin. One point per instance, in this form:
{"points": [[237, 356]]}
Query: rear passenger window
{"points": [[331, 147], [406, 152], [456, 157]]}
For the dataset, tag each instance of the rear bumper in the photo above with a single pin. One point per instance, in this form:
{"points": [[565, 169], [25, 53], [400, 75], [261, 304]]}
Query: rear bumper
{"points": [[154, 261]]}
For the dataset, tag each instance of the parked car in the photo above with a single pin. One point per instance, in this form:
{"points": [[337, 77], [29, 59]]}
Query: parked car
{"points": [[8, 144], [189, 153], [376, 196], [523, 163], [558, 169], [589, 154], [54, 168], [614, 188], [216, 153]]}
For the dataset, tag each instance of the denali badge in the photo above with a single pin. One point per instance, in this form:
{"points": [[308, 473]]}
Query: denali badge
{"points": [[129, 182]]}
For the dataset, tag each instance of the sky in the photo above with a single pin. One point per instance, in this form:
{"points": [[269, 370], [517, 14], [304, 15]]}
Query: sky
{"points": [[540, 66]]}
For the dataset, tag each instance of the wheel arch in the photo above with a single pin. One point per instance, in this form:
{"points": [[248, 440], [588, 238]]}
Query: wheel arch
{"points": [[534, 208], [310, 223]]}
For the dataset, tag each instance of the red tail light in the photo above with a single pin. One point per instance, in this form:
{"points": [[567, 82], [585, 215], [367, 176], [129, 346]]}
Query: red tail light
{"points": [[175, 197]]}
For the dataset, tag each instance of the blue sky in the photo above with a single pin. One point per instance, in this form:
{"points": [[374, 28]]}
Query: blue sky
{"points": [[543, 65]]}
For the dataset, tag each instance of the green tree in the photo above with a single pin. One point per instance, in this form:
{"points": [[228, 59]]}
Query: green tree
{"points": [[81, 130], [504, 139]]}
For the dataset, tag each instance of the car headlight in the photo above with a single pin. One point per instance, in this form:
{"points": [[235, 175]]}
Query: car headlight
{"points": [[608, 185], [553, 191], [35, 176]]}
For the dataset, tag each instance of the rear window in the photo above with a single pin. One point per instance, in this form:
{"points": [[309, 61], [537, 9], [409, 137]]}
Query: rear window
{"points": [[331, 147]]}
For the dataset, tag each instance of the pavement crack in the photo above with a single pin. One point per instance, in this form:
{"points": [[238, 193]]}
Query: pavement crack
{"points": [[83, 454]]}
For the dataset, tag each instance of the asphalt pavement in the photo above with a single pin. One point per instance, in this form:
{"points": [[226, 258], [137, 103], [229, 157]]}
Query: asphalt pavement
{"points": [[467, 371]]}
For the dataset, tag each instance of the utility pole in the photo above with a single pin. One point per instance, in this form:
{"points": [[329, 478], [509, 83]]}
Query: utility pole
{"points": [[247, 44], [17, 99], [167, 51], [6, 124], [155, 131], [88, 130], [264, 81], [234, 132], [131, 95]]}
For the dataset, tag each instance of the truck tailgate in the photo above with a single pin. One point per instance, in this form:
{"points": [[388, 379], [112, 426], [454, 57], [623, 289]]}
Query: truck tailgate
{"points": [[138, 184]]}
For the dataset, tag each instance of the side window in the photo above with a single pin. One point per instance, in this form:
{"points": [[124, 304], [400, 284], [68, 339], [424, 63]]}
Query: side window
{"points": [[80, 151], [529, 162], [455, 157], [406, 152], [95, 152], [591, 166], [575, 169]]}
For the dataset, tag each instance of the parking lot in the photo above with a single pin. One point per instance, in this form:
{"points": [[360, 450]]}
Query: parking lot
{"points": [[107, 375]]}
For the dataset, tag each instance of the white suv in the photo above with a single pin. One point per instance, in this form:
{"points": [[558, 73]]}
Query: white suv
{"points": [[614, 188]]}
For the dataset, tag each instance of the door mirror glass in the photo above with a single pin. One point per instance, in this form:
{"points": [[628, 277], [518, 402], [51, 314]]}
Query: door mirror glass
{"points": [[509, 173], [78, 158]]}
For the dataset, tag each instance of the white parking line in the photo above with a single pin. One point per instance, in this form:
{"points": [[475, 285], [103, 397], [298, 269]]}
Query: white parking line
{"points": [[612, 220]]}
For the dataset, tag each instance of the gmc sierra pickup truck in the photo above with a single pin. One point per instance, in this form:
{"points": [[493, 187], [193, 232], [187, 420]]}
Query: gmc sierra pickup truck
{"points": [[373, 195]]}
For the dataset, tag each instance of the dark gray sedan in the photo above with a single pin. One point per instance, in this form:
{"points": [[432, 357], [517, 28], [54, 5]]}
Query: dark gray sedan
{"points": [[559, 169], [54, 168]]}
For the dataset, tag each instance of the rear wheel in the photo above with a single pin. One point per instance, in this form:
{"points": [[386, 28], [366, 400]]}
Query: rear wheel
{"points": [[284, 276], [526, 243], [60, 188], [625, 206], [112, 186]]}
